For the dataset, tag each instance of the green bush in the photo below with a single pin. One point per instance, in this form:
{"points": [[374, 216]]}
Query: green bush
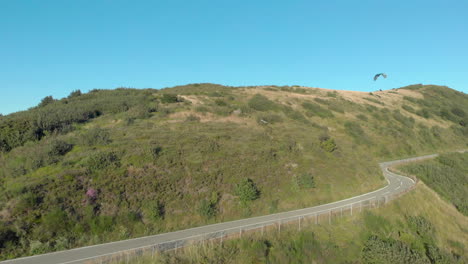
{"points": [[377, 250], [261, 103], [53, 223], [247, 190], [96, 136], [140, 112], [58, 148], [170, 98], [444, 175], [7, 236], [155, 210], [327, 144], [101, 160], [304, 181], [420, 225], [155, 152], [207, 209], [74, 93], [46, 100]]}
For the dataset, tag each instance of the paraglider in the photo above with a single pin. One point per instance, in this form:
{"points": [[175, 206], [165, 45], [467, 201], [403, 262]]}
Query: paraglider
{"points": [[378, 75]]}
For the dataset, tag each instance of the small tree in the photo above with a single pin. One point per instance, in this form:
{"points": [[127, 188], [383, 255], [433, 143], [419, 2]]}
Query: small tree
{"points": [[74, 93], [46, 100], [246, 190]]}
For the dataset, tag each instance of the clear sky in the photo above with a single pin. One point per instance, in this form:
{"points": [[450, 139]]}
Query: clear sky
{"points": [[54, 47]]}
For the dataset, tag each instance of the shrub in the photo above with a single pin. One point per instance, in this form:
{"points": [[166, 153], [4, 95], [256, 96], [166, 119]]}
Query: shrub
{"points": [[170, 98], [156, 152], [261, 103], [304, 181], [96, 136], [247, 190], [46, 100], [377, 250], [155, 210], [53, 223], [74, 93], [140, 112], [7, 236], [420, 225], [207, 209], [327, 144], [59, 148], [102, 160]]}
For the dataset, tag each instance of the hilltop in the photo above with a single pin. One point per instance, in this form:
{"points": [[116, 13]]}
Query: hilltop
{"points": [[114, 164]]}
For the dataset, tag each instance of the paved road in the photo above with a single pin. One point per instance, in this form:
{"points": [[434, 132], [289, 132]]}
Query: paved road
{"points": [[396, 185]]}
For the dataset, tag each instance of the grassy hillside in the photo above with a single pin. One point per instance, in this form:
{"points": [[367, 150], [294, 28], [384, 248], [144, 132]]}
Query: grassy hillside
{"points": [[115, 164]]}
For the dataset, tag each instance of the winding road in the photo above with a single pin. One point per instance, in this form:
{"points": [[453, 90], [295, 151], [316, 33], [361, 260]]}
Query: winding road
{"points": [[396, 184]]}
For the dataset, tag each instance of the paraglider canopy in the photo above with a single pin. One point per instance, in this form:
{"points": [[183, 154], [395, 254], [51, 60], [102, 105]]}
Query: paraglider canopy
{"points": [[378, 75]]}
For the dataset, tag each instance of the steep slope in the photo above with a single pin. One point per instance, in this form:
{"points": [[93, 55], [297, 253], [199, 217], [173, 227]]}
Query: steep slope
{"points": [[110, 165]]}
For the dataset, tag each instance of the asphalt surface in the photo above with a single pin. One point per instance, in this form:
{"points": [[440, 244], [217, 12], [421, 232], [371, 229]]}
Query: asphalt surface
{"points": [[396, 185]]}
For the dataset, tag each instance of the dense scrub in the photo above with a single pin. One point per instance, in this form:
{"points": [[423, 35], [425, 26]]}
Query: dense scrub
{"points": [[114, 164], [447, 175]]}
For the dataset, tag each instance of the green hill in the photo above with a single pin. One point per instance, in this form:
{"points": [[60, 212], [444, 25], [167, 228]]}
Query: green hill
{"points": [[114, 164]]}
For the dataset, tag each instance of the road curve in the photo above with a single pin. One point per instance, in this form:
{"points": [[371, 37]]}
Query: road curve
{"points": [[396, 185]]}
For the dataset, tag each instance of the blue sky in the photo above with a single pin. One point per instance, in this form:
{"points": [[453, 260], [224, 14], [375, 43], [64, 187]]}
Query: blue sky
{"points": [[54, 47]]}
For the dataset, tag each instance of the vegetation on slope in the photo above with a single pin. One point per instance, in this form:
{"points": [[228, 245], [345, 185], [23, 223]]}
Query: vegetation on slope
{"points": [[110, 165], [447, 175], [416, 228]]}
